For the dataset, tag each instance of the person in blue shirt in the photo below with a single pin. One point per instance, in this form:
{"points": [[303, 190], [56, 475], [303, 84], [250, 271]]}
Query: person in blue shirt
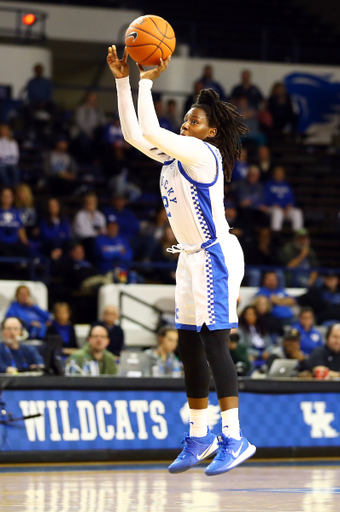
{"points": [[14, 356], [30, 314], [112, 249], [119, 212], [310, 337], [280, 202], [208, 82], [62, 326], [280, 300], [39, 88], [55, 230], [241, 166], [13, 237], [116, 334]]}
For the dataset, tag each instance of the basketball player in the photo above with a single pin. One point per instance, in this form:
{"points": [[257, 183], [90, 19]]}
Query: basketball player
{"points": [[210, 266]]}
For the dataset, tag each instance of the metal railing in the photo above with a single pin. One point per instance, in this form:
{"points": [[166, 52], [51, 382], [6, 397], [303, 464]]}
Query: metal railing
{"points": [[16, 28]]}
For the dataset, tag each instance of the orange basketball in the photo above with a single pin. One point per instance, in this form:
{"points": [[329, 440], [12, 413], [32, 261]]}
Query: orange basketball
{"points": [[148, 39]]}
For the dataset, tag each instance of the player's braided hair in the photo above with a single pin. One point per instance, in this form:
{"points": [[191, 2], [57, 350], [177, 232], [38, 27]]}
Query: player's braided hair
{"points": [[226, 119]]}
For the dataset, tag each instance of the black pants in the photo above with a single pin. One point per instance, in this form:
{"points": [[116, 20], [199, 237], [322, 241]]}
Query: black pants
{"points": [[201, 352]]}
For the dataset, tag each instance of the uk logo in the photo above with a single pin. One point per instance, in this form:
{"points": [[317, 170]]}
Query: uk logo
{"points": [[316, 417]]}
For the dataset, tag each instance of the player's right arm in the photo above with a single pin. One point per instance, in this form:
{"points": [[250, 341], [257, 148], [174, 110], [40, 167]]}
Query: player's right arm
{"points": [[127, 114]]}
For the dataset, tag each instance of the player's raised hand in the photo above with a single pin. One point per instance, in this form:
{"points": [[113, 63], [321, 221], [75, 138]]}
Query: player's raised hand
{"points": [[154, 73], [119, 68]]}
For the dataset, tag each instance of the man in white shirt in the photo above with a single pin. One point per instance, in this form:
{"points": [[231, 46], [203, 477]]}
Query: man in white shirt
{"points": [[89, 223]]}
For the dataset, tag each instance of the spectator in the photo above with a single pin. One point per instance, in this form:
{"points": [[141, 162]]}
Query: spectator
{"points": [[113, 152], [55, 230], [73, 269], [239, 354], [15, 357], [250, 197], [93, 358], [253, 334], [280, 106], [163, 361], [263, 310], [60, 168], [39, 88], [192, 98], [250, 115], [112, 249], [241, 167], [89, 118], [298, 254], [13, 237], [34, 318], [161, 255], [9, 157], [328, 355], [89, 223], [280, 202], [247, 90], [208, 82], [290, 350], [262, 252], [310, 337], [164, 121], [62, 326], [324, 299], [116, 333], [279, 299], [119, 212], [264, 162], [171, 114], [24, 202]]}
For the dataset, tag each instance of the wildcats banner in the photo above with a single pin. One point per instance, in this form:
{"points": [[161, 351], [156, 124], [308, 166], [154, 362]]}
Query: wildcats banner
{"points": [[120, 420]]}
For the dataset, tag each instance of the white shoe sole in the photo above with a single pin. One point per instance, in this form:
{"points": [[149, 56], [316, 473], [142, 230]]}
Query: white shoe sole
{"points": [[249, 452]]}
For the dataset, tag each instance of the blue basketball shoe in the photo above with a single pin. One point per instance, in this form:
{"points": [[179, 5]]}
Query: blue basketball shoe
{"points": [[195, 450], [231, 452]]}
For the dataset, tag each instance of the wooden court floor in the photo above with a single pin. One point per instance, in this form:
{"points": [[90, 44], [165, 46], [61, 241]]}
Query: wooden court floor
{"points": [[253, 487]]}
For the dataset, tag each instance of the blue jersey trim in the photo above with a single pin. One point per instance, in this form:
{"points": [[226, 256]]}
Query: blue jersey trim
{"points": [[168, 162], [197, 183], [186, 327]]}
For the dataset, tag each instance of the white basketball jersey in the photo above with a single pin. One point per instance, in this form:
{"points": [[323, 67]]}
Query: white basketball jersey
{"points": [[195, 210]]}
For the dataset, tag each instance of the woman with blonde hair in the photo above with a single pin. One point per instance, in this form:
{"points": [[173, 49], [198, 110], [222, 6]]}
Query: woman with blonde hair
{"points": [[24, 202]]}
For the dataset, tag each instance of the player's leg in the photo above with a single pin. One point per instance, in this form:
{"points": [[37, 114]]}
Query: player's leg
{"points": [[233, 447]]}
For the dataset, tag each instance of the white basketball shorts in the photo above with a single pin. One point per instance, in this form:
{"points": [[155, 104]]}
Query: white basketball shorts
{"points": [[208, 286]]}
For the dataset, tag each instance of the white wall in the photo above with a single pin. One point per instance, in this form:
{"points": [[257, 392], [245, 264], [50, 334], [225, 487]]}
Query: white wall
{"points": [[79, 23], [16, 63]]}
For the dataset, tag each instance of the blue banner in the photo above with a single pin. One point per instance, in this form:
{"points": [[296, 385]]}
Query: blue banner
{"points": [[120, 420]]}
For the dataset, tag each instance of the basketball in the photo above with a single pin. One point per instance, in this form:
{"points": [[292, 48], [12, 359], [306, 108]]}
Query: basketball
{"points": [[148, 39]]}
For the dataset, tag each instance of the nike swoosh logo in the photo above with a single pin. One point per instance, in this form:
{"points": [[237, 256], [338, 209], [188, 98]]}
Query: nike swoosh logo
{"points": [[237, 453], [205, 453], [134, 35]]}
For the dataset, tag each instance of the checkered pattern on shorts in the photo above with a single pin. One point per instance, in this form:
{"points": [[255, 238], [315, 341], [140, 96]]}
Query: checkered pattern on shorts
{"points": [[210, 289]]}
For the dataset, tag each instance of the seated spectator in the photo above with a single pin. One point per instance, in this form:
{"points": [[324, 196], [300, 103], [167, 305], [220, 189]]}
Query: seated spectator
{"points": [[61, 325], [24, 202], [89, 118], [163, 361], [55, 230], [280, 202], [89, 223], [241, 167], [40, 109], [279, 299], [166, 275], [116, 333], [163, 120], [297, 253], [119, 212], [93, 358], [239, 354], [310, 337], [290, 350], [249, 193], [280, 106], [263, 310], [250, 119], [265, 162], [112, 250], [172, 116], [39, 89], [34, 318], [15, 357], [247, 90], [9, 157], [13, 237], [262, 251], [328, 355], [208, 82], [192, 98], [114, 149], [253, 334], [60, 168], [324, 299], [73, 269]]}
